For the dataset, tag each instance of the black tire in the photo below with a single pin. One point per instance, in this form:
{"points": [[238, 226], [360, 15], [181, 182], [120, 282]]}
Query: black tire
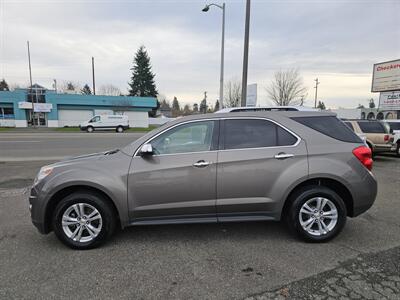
{"points": [[299, 198], [106, 211], [119, 129], [90, 129], [398, 149]]}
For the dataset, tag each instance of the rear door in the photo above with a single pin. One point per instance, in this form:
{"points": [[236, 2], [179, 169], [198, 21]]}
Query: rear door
{"points": [[256, 156]]}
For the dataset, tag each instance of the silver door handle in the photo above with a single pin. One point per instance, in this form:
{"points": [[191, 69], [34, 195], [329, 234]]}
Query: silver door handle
{"points": [[283, 156], [201, 164]]}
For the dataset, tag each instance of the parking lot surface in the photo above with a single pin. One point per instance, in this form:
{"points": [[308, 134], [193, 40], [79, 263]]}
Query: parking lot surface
{"points": [[214, 261]]}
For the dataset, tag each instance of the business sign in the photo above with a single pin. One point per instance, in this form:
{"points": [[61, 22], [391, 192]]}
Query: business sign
{"points": [[251, 95], [386, 76], [42, 107], [389, 101], [25, 105], [37, 107]]}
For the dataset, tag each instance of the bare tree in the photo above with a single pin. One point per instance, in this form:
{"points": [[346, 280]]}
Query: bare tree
{"points": [[287, 88], [109, 90], [232, 93]]}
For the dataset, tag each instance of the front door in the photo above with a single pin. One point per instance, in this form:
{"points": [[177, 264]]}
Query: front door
{"points": [[255, 158], [179, 180]]}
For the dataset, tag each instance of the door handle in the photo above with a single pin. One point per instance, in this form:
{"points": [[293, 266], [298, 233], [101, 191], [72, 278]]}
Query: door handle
{"points": [[283, 155], [201, 164]]}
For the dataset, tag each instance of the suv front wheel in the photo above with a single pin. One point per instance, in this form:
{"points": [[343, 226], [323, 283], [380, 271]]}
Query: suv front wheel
{"points": [[316, 214], [83, 220]]}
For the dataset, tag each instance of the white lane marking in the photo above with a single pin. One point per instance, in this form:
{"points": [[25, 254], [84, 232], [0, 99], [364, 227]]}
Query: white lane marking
{"points": [[34, 158], [20, 141]]}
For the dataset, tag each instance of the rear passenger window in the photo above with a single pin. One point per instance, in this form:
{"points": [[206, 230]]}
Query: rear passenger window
{"points": [[330, 126], [372, 127], [349, 125], [248, 133]]}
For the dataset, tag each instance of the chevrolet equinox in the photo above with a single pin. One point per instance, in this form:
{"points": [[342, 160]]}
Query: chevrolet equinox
{"points": [[306, 168]]}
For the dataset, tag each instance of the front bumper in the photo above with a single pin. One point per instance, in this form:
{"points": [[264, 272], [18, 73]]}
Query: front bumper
{"points": [[37, 212]]}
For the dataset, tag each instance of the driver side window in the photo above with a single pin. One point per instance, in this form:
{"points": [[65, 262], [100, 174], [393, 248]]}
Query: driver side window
{"points": [[95, 119], [191, 137]]}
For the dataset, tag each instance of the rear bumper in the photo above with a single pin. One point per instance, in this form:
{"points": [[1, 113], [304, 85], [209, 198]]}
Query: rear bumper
{"points": [[383, 148], [364, 195]]}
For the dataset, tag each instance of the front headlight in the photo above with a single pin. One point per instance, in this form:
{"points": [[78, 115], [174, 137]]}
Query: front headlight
{"points": [[44, 172]]}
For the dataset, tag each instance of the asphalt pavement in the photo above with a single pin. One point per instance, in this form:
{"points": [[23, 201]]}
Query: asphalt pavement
{"points": [[260, 260], [36, 146]]}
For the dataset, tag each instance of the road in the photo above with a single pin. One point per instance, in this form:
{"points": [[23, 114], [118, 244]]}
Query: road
{"points": [[33, 146], [260, 260]]}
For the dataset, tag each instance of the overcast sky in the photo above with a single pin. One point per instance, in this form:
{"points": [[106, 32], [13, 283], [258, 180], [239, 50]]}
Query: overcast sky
{"points": [[336, 41]]}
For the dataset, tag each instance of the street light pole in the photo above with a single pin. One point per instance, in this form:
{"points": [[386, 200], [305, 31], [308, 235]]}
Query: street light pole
{"points": [[221, 77], [316, 91], [246, 54]]}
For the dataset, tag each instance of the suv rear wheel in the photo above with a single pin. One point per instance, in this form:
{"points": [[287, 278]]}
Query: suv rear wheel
{"points": [[316, 214], [83, 220]]}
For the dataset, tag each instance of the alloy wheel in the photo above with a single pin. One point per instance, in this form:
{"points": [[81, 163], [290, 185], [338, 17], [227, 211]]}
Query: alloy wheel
{"points": [[82, 222], [318, 216]]}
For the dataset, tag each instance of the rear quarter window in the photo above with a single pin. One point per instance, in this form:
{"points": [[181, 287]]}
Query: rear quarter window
{"points": [[372, 127], [330, 126]]}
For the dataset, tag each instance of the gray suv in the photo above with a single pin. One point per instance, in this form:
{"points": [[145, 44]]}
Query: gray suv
{"points": [[307, 168]]}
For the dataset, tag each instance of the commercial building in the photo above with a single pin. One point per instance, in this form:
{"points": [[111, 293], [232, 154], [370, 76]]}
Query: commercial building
{"points": [[53, 109], [366, 113]]}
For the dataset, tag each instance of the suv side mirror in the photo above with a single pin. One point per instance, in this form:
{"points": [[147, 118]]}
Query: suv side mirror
{"points": [[391, 130], [146, 149]]}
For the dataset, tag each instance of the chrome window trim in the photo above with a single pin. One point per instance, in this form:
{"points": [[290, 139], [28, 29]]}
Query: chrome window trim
{"points": [[219, 119]]}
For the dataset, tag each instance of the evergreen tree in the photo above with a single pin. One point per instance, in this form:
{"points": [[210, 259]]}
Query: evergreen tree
{"points": [[165, 104], [4, 85], [142, 80], [176, 108], [216, 107], [86, 90], [203, 106], [186, 110], [70, 86], [371, 103], [321, 105]]}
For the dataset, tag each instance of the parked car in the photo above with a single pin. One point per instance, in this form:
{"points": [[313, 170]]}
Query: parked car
{"points": [[395, 129], [265, 108], [119, 123], [306, 168], [378, 136], [361, 135]]}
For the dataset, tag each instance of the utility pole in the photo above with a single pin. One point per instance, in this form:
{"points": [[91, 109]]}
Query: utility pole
{"points": [[94, 85], [316, 91], [221, 78], [30, 80], [55, 85], [246, 54]]}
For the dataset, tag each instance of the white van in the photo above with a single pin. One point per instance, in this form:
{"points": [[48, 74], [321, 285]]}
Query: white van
{"points": [[104, 122]]}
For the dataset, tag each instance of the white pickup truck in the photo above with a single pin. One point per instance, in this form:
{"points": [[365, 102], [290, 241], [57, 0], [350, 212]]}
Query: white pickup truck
{"points": [[106, 122]]}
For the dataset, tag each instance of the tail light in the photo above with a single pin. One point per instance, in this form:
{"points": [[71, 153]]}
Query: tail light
{"points": [[364, 155], [386, 138]]}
